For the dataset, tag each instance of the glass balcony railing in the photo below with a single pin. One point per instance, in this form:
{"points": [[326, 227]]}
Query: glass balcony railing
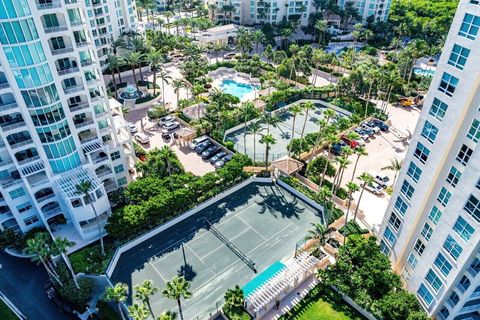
{"points": [[42, 5], [62, 50], [56, 29], [68, 71]]}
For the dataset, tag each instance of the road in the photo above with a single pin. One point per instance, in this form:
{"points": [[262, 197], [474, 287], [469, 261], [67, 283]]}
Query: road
{"points": [[22, 282]]}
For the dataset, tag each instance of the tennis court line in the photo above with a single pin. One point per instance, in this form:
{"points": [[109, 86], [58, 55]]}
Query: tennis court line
{"points": [[201, 260], [264, 239], [158, 272], [224, 245]]}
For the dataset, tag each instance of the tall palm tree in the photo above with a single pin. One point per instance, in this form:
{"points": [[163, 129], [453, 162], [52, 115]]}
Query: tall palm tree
{"points": [[168, 15], [178, 84], [359, 151], [113, 64], [168, 315], [60, 246], [258, 37], [254, 129], [143, 293], [117, 44], [268, 140], [351, 187], [343, 163], [321, 233], [295, 110], [234, 298], [133, 59], [176, 289], [307, 107], [154, 58], [165, 79], [40, 252], [324, 193], [247, 110], [328, 114], [330, 139], [118, 294], [366, 180], [270, 120], [138, 311], [84, 188], [395, 166], [321, 26]]}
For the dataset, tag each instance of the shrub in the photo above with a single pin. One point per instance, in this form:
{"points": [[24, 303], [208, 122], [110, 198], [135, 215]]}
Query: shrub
{"points": [[316, 168], [106, 312], [90, 259], [229, 145], [352, 227], [78, 298]]}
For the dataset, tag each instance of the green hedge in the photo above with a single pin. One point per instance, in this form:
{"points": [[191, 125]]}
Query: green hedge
{"points": [[90, 259], [237, 314], [6, 313], [105, 312], [352, 227]]}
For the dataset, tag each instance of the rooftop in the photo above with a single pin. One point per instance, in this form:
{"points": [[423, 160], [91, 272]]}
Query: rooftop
{"points": [[68, 182]]}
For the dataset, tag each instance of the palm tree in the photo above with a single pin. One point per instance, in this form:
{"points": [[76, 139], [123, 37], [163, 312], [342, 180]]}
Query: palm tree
{"points": [[268, 140], [366, 179], [154, 58], [168, 15], [178, 84], [247, 110], [234, 298], [84, 188], [113, 64], [359, 151], [325, 193], [321, 233], [307, 107], [117, 294], [143, 293], [331, 139], [352, 187], [258, 37], [168, 315], [117, 44], [165, 77], [60, 247], [321, 26], [40, 252], [270, 120], [176, 289], [254, 129], [138, 311], [395, 166], [133, 59], [419, 48], [343, 163], [295, 110]]}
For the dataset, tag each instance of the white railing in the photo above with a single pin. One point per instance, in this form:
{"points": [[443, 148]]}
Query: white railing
{"points": [[89, 139], [39, 183], [11, 183], [68, 71], [77, 23], [56, 29], [29, 160], [13, 126], [99, 159], [82, 44], [48, 196], [8, 106], [21, 144], [61, 51], [74, 89], [104, 173], [84, 124], [80, 106], [87, 62], [51, 5]]}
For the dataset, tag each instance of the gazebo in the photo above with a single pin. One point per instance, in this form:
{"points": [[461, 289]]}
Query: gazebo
{"points": [[185, 136], [288, 165]]}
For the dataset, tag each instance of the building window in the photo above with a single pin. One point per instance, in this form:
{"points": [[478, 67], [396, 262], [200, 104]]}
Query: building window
{"points": [[17, 193], [401, 206], [448, 84], [419, 247], [474, 131], [444, 196], [122, 181], [429, 131], [452, 247], [453, 176], [470, 25], [414, 172], [433, 280], [473, 208], [118, 168], [458, 57], [389, 236], [395, 222], [425, 295], [434, 215], [30, 220], [407, 189], [384, 248], [412, 261], [442, 264], [24, 207], [464, 155], [115, 155], [463, 229], [438, 109], [427, 231], [421, 153]]}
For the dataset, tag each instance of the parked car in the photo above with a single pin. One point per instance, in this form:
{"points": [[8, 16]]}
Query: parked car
{"points": [[169, 127], [380, 178], [337, 148], [220, 163], [166, 136], [362, 133], [351, 143], [133, 128], [374, 188], [142, 138], [382, 125], [202, 146], [217, 157], [195, 142], [370, 125], [210, 152], [369, 131], [165, 120]]}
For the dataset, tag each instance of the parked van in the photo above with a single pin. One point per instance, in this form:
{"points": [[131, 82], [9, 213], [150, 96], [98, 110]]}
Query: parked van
{"points": [[142, 138], [380, 178], [195, 142]]}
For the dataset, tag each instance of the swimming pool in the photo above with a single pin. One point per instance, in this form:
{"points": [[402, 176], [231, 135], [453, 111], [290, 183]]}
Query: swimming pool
{"points": [[262, 278], [424, 72], [237, 89]]}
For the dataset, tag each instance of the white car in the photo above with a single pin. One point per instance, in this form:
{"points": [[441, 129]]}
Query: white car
{"points": [[374, 188], [142, 138], [380, 178], [133, 128], [371, 126], [170, 126], [195, 142]]}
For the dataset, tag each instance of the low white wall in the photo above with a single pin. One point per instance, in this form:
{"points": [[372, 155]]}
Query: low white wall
{"points": [[355, 306]]}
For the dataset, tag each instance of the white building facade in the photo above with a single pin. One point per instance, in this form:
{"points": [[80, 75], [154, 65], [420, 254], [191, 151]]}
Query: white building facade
{"points": [[261, 11], [56, 124], [379, 9], [431, 229]]}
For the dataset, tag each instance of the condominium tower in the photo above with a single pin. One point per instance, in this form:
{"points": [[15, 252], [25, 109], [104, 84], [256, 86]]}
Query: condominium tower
{"points": [[431, 229], [378, 9], [57, 128]]}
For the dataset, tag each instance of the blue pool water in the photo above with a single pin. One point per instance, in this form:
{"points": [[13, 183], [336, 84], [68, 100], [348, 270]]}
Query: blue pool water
{"points": [[424, 72], [262, 278], [237, 89]]}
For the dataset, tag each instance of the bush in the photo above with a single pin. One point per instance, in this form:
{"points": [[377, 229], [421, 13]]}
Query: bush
{"points": [[106, 312], [236, 314], [78, 298], [90, 259], [316, 168], [352, 227], [229, 145], [147, 97]]}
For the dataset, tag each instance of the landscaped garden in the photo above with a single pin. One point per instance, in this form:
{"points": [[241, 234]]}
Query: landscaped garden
{"points": [[6, 313]]}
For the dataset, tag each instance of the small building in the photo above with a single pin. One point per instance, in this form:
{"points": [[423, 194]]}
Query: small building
{"points": [[220, 34]]}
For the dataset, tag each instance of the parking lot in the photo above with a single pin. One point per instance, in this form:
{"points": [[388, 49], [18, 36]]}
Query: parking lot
{"points": [[189, 159]]}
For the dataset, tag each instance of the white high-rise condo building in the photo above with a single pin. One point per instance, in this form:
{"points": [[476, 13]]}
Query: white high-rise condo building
{"points": [[56, 123], [260, 11], [379, 9], [431, 228]]}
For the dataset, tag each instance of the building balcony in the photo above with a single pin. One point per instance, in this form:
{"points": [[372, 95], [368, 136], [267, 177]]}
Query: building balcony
{"points": [[460, 288], [49, 5], [4, 85], [92, 82], [103, 173], [56, 29], [89, 138], [8, 106], [38, 180], [32, 168], [70, 1], [79, 106], [82, 44], [98, 159], [76, 23], [109, 187], [475, 307], [12, 125], [84, 123], [5, 162], [6, 215], [68, 71], [22, 143], [73, 89], [8, 183], [51, 212], [96, 99], [87, 62], [46, 197], [62, 50], [472, 272], [28, 160]]}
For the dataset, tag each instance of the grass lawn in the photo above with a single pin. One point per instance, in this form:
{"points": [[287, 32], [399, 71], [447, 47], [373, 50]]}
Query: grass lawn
{"points": [[322, 304], [6, 313]]}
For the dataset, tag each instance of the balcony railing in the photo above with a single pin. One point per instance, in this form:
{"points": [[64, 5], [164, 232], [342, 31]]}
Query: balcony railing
{"points": [[62, 50], [77, 23], [46, 197], [99, 159], [86, 62], [104, 173], [79, 106], [50, 5], [89, 139], [70, 1], [8, 106], [96, 98], [28, 160], [110, 187], [52, 211], [4, 85], [56, 29], [39, 183], [11, 183], [21, 143], [461, 288], [82, 44], [4, 162], [475, 307], [68, 71], [12, 126], [73, 89], [84, 124]]}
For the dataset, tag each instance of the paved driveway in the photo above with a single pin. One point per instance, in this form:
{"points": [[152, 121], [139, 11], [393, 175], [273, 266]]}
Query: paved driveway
{"points": [[22, 282]]}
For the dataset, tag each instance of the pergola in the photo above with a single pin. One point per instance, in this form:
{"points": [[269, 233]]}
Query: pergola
{"points": [[285, 281]]}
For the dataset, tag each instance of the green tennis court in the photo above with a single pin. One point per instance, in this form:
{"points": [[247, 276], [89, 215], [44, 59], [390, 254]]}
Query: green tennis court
{"points": [[261, 220]]}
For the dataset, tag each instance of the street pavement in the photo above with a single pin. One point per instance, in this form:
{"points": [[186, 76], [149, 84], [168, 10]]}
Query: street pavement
{"points": [[22, 282]]}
